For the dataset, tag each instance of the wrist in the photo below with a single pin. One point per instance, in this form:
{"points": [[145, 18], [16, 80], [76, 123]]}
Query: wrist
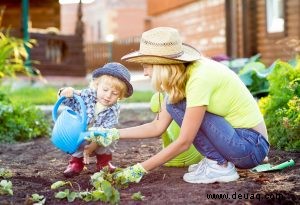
{"points": [[141, 168]]}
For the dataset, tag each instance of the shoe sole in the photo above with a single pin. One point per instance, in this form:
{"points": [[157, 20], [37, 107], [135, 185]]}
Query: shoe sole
{"points": [[70, 175], [210, 181]]}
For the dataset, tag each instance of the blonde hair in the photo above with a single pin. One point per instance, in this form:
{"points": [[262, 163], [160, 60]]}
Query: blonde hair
{"points": [[110, 80], [170, 78]]}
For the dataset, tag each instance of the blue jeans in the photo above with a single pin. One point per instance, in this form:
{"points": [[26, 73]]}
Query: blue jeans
{"points": [[219, 141]]}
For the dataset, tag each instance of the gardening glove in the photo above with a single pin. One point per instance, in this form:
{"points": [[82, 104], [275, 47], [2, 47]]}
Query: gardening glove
{"points": [[130, 174], [104, 137]]}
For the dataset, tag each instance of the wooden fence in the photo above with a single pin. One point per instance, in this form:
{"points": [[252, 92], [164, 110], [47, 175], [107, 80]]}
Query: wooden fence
{"points": [[98, 54]]}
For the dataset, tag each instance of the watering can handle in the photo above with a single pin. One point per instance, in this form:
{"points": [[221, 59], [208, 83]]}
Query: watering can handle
{"points": [[82, 105]]}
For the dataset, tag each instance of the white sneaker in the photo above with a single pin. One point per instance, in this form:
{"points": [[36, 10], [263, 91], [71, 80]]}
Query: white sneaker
{"points": [[211, 173], [194, 167]]}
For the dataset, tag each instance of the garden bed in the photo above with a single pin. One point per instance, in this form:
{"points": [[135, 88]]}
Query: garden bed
{"points": [[37, 164]]}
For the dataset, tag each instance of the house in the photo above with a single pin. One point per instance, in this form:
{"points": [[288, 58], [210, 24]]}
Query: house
{"points": [[64, 33], [237, 28], [56, 53], [74, 39], [105, 20]]}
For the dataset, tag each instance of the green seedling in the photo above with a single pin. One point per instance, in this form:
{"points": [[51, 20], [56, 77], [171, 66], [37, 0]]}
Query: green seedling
{"points": [[58, 184], [38, 199], [137, 196], [6, 187], [103, 183], [5, 173], [102, 190], [71, 196]]}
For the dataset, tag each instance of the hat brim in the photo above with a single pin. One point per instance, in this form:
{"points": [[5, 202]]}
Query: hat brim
{"points": [[104, 71], [189, 54]]}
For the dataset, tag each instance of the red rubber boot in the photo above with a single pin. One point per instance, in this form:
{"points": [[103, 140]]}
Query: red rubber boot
{"points": [[75, 167], [104, 160]]}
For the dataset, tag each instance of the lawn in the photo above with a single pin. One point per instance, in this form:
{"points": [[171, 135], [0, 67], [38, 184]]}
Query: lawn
{"points": [[47, 95]]}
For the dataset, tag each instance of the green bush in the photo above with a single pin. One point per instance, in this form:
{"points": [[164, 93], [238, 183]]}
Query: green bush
{"points": [[281, 108], [21, 122]]}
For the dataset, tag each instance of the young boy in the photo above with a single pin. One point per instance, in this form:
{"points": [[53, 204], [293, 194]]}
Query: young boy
{"points": [[109, 84]]}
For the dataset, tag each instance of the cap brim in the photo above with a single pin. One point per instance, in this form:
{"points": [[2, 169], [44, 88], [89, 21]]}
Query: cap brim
{"points": [[189, 54], [104, 71]]}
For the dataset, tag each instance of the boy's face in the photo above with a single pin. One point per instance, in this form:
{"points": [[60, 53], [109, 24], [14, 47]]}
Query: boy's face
{"points": [[107, 94]]}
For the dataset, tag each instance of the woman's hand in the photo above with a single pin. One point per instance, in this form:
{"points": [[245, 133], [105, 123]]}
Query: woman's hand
{"points": [[104, 136], [130, 174]]}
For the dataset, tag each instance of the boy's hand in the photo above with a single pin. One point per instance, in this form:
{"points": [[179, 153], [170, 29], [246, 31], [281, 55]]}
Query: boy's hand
{"points": [[66, 92], [88, 150], [130, 174]]}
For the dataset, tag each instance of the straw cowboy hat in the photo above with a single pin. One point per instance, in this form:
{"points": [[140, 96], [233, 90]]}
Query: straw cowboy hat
{"points": [[162, 45]]}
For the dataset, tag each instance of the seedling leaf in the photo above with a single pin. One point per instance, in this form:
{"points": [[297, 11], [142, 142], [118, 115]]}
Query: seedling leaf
{"points": [[137, 196], [5, 173], [58, 184]]}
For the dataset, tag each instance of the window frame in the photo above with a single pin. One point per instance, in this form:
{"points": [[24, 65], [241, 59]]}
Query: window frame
{"points": [[275, 33]]}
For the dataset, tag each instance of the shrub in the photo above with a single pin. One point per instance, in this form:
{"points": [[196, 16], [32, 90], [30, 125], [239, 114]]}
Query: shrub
{"points": [[281, 108], [21, 122]]}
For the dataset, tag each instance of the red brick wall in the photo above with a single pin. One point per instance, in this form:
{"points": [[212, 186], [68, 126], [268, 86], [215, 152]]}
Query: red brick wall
{"points": [[268, 45], [130, 22], [201, 23], [159, 6]]}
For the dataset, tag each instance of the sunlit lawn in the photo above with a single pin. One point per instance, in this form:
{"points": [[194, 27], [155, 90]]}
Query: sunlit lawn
{"points": [[47, 95]]}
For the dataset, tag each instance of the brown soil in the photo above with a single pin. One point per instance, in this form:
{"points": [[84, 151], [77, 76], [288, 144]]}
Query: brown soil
{"points": [[38, 164]]}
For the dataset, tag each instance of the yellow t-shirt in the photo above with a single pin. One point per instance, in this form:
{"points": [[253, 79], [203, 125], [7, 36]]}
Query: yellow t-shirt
{"points": [[212, 84]]}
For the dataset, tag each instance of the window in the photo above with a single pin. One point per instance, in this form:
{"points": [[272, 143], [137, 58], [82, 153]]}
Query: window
{"points": [[275, 16]]}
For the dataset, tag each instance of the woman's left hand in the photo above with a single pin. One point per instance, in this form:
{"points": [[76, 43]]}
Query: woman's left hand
{"points": [[130, 174]]}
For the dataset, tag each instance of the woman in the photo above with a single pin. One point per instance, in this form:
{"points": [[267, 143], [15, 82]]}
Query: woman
{"points": [[214, 109]]}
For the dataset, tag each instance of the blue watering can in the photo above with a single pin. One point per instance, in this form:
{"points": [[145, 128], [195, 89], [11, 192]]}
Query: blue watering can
{"points": [[70, 128]]}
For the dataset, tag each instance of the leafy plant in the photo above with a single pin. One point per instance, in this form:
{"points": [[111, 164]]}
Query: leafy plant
{"points": [[70, 195], [137, 196], [38, 199], [13, 55], [5, 173], [281, 108], [58, 184], [6, 187], [21, 122], [102, 190]]}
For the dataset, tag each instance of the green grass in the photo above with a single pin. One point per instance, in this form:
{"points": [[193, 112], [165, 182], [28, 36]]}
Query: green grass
{"points": [[47, 95], [139, 96], [34, 95]]}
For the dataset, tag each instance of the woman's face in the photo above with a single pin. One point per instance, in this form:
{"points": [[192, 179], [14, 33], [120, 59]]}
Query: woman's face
{"points": [[148, 68]]}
